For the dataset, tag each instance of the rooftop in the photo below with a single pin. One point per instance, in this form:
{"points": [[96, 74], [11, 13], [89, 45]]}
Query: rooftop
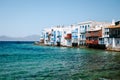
{"points": [[113, 26]]}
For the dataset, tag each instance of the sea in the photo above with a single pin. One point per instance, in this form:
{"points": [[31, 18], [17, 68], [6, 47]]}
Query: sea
{"points": [[22, 60]]}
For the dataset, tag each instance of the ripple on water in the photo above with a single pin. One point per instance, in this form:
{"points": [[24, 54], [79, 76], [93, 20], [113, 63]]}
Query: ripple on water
{"points": [[30, 62]]}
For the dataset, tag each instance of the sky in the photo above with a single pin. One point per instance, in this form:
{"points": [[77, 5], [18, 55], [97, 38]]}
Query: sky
{"points": [[19, 18]]}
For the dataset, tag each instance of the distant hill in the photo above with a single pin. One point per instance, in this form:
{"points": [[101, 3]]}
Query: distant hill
{"points": [[27, 38]]}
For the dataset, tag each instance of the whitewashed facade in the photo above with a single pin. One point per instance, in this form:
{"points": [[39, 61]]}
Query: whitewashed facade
{"points": [[76, 34], [88, 26]]}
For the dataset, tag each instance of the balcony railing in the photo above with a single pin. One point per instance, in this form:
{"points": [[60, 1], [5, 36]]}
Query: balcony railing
{"points": [[82, 31], [94, 34], [68, 36], [91, 41], [106, 35]]}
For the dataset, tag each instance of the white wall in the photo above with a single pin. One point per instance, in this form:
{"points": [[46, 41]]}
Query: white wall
{"points": [[65, 31], [117, 42]]}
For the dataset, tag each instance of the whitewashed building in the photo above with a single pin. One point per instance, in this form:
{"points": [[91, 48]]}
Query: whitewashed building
{"points": [[75, 35], [66, 39], [88, 26], [112, 36], [58, 35], [46, 35]]}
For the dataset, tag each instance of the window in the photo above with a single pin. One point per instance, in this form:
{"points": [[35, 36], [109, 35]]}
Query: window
{"points": [[76, 30], [85, 27], [83, 36], [117, 32], [58, 32], [88, 26], [82, 26], [118, 42], [52, 29], [69, 41], [106, 33], [64, 32]]}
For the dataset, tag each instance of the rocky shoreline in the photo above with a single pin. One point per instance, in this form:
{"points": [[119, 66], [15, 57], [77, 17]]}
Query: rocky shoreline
{"points": [[107, 49]]}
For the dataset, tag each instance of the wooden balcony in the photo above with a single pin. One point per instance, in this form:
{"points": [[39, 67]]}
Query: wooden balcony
{"points": [[68, 36], [92, 42], [97, 33]]}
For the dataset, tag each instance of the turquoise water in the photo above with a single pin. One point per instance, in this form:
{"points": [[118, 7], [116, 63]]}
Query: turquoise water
{"points": [[25, 61]]}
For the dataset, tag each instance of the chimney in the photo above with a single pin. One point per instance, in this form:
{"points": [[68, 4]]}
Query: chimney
{"points": [[113, 22]]}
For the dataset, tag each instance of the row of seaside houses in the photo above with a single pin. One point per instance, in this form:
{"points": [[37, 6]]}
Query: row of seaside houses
{"points": [[90, 33]]}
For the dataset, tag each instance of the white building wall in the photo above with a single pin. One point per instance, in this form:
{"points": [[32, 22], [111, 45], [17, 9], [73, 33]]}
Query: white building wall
{"points": [[117, 42], [108, 42], [46, 40], [89, 26], [83, 27], [56, 30], [73, 28], [113, 43], [65, 31]]}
